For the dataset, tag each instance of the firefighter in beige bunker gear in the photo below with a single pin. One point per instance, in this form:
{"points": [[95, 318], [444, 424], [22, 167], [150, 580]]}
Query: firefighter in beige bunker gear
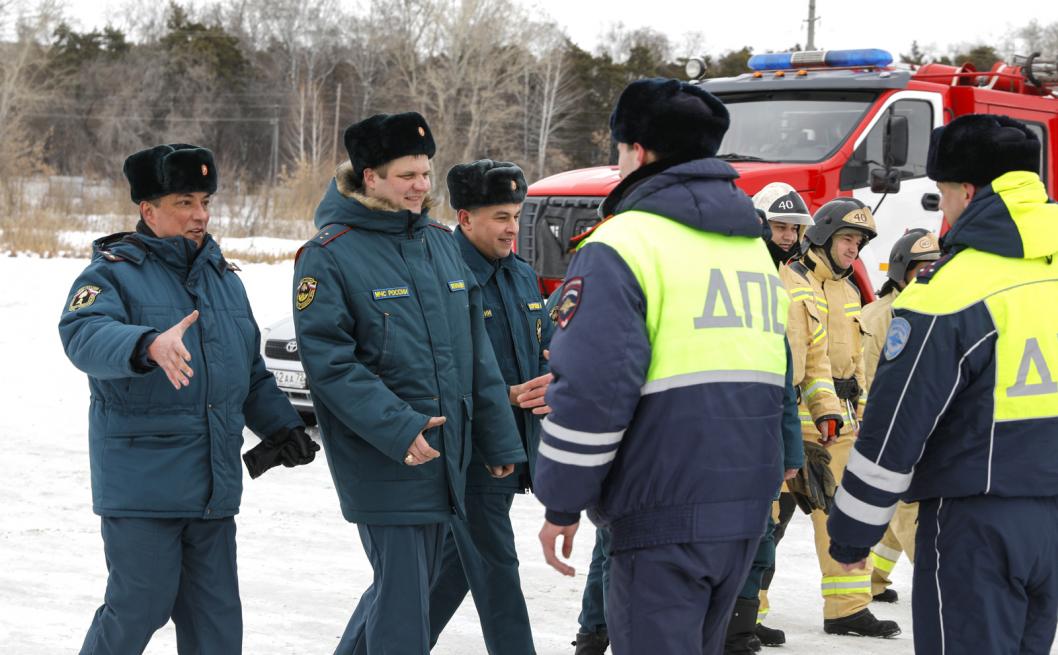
{"points": [[824, 332], [910, 253]]}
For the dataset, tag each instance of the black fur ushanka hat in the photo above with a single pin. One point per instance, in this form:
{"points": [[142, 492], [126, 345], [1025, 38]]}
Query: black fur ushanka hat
{"points": [[170, 168], [385, 137], [670, 117], [978, 148], [485, 182]]}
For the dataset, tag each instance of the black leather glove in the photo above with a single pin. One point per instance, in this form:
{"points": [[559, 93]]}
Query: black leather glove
{"points": [[847, 389], [814, 486], [298, 449], [273, 451]]}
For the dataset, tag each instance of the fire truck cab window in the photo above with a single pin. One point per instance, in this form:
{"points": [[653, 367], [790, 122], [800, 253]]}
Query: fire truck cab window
{"points": [[801, 126]]}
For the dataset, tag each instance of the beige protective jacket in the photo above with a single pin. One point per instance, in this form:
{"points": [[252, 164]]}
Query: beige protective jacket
{"points": [[823, 328]]}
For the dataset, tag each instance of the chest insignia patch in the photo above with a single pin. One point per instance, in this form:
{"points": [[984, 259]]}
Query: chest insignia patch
{"points": [[539, 330], [572, 291], [84, 297], [534, 306], [457, 285], [488, 313], [896, 339], [390, 293], [306, 292]]}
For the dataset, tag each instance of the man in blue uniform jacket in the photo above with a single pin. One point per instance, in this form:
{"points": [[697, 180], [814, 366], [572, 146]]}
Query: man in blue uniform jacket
{"points": [[668, 390], [161, 324], [479, 553], [963, 412], [390, 328]]}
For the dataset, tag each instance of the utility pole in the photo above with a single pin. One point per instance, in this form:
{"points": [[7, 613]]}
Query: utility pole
{"points": [[811, 45], [337, 106], [275, 145]]}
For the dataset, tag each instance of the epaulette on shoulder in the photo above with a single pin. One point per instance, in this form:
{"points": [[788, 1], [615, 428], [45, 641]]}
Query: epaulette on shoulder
{"points": [[111, 257], [926, 274], [326, 235], [329, 233], [440, 226], [232, 266], [576, 239]]}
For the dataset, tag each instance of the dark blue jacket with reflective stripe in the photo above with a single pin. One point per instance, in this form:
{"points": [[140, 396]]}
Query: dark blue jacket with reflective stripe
{"points": [[519, 330], [965, 401], [392, 333], [693, 463], [156, 451]]}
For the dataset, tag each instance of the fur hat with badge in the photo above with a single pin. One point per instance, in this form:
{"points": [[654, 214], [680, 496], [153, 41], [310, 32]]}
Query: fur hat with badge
{"points": [[385, 137], [670, 117], [171, 168], [486, 182], [978, 148]]}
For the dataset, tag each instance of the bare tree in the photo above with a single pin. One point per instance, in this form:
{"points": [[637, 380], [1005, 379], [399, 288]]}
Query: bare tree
{"points": [[21, 89]]}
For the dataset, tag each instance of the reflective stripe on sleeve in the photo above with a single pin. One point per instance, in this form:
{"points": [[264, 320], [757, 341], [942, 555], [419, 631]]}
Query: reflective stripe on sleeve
{"points": [[575, 459], [579, 437], [877, 476], [863, 512]]}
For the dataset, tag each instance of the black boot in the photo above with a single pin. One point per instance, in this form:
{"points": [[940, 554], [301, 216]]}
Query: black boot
{"points": [[770, 636], [861, 624], [887, 596], [591, 643], [741, 631]]}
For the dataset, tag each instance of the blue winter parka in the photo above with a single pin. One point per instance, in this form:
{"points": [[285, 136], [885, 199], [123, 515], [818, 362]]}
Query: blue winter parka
{"points": [[519, 330], [156, 451], [390, 328]]}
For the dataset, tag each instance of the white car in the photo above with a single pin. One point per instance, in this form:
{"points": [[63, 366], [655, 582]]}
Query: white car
{"points": [[280, 351]]}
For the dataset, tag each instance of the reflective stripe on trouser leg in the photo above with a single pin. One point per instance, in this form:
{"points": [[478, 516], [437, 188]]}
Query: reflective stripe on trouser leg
{"points": [[848, 591]]}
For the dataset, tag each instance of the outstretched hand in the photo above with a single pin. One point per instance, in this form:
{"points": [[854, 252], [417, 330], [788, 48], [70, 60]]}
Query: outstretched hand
{"points": [[169, 353]]}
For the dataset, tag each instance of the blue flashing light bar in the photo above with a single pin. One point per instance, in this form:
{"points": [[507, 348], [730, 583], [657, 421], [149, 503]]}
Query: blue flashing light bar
{"points": [[868, 57]]}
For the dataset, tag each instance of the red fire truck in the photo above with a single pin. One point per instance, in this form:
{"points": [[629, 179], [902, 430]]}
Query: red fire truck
{"points": [[830, 123]]}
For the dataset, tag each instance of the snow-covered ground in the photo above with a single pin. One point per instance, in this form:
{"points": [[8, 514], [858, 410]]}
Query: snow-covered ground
{"points": [[302, 568]]}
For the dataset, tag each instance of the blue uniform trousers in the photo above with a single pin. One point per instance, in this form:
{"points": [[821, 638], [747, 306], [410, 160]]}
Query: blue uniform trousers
{"points": [[393, 615], [162, 568], [593, 604], [479, 556], [763, 561], [986, 575], [675, 598]]}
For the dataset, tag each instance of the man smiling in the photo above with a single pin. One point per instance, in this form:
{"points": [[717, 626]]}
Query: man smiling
{"points": [[391, 332], [479, 552]]}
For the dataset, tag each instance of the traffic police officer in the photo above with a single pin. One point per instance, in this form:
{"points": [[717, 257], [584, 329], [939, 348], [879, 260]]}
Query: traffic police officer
{"points": [[390, 327], [665, 403], [910, 254], [161, 324], [479, 553], [825, 337], [964, 410]]}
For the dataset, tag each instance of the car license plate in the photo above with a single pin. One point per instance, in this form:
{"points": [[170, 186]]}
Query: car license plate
{"points": [[290, 379]]}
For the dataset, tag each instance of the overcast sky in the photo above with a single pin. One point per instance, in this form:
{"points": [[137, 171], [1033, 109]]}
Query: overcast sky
{"points": [[762, 24]]}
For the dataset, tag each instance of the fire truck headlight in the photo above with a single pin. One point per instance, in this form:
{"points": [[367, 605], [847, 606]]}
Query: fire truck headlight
{"points": [[694, 68]]}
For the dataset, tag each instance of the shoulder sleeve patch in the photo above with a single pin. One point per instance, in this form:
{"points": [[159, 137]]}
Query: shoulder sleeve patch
{"points": [[568, 302], [84, 297], [896, 339], [306, 292]]}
